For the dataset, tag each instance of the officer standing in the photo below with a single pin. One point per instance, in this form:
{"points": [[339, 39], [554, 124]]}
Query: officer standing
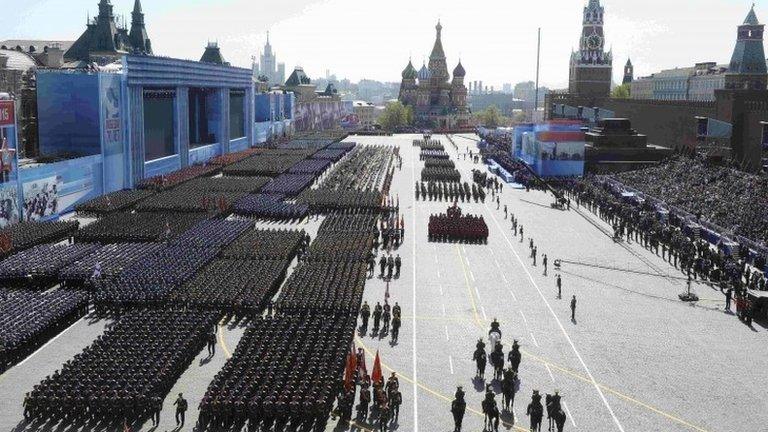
{"points": [[559, 281], [376, 316], [544, 261], [181, 409], [365, 313], [728, 296], [211, 343], [398, 264], [395, 327], [382, 264], [573, 309]]}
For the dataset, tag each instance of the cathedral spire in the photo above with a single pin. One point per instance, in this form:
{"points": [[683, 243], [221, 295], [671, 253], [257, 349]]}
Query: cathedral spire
{"points": [[137, 7]]}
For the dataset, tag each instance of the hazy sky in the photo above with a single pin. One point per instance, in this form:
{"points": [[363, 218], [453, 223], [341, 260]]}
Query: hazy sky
{"points": [[496, 39]]}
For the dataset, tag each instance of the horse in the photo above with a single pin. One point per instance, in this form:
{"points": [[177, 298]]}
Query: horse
{"points": [[560, 420], [515, 357], [480, 359], [497, 360], [508, 389], [553, 407], [491, 412], [494, 337], [536, 412]]}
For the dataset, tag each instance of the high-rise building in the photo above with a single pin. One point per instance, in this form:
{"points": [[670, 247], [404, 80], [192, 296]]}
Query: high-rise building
{"points": [[268, 67], [591, 66]]}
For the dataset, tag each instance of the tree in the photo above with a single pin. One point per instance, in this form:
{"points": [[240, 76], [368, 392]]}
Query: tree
{"points": [[396, 115], [621, 92], [491, 117]]}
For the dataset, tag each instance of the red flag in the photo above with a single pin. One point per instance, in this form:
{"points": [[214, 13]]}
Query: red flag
{"points": [[349, 372], [376, 375]]}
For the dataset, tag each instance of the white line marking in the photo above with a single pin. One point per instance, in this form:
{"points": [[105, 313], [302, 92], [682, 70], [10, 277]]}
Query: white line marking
{"points": [[48, 343], [559, 323], [550, 372], [493, 254], [485, 317], [497, 263], [450, 363], [443, 309], [570, 416], [534, 340], [413, 236], [446, 334], [524, 320], [472, 275], [477, 293], [441, 289]]}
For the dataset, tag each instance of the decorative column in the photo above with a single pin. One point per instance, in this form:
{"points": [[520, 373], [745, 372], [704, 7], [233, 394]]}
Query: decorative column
{"points": [[136, 139], [224, 125], [182, 124]]}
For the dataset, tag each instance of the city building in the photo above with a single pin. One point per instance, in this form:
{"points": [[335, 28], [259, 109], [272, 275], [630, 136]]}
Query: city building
{"points": [[591, 66], [641, 88], [737, 111], [366, 112], [507, 103], [268, 67], [697, 83], [629, 72], [314, 110], [437, 100], [707, 78], [672, 84], [105, 40], [526, 92]]}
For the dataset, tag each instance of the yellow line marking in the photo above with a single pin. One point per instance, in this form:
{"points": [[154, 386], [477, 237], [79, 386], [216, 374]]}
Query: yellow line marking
{"points": [[469, 289], [223, 344], [577, 375], [524, 352], [429, 390]]}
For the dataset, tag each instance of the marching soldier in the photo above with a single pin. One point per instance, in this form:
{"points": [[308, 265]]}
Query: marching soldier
{"points": [[181, 409], [398, 264]]}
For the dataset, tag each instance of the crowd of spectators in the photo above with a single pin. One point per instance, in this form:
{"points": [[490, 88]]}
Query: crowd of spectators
{"points": [[735, 200]]}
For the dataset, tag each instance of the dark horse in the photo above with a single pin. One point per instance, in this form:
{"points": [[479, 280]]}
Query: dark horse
{"points": [[553, 408], [536, 411], [481, 359], [491, 412], [497, 360], [508, 390]]}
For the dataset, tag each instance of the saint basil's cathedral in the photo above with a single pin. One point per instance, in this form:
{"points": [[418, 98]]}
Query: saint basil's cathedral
{"points": [[437, 101]]}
